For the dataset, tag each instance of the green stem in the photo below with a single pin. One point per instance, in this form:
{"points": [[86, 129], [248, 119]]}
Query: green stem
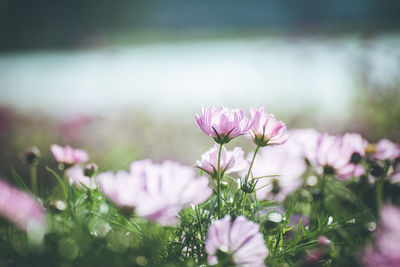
{"points": [[379, 193], [200, 223], [219, 181], [247, 177], [251, 163], [34, 179], [258, 208]]}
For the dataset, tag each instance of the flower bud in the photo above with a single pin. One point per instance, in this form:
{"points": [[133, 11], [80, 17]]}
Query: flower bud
{"points": [[32, 156], [247, 187], [323, 241], [90, 169]]}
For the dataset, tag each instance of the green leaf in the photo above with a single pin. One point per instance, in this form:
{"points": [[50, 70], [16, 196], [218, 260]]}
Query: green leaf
{"points": [[60, 181], [19, 181]]}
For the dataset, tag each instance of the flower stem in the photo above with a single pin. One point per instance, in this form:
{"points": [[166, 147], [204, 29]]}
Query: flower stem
{"points": [[379, 193], [251, 163], [34, 179], [257, 205], [200, 223], [219, 181], [247, 177]]}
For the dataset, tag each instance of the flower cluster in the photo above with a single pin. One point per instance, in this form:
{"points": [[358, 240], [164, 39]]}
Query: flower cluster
{"points": [[224, 124], [269, 206]]}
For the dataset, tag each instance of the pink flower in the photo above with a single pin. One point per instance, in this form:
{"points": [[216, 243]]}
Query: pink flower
{"points": [[287, 167], [386, 150], [76, 175], [223, 124], [156, 191], [323, 241], [266, 129], [21, 208], [341, 155], [231, 161], [120, 187], [67, 155], [386, 251], [303, 142], [239, 242]]}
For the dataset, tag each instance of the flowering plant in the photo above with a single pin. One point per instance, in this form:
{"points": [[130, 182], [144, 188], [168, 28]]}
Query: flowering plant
{"points": [[301, 198]]}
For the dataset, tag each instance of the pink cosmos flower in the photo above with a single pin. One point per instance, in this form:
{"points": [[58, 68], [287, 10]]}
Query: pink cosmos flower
{"points": [[21, 208], [386, 251], [223, 124], [303, 142], [341, 155], [67, 155], [76, 175], [266, 129], [386, 150], [231, 161], [287, 167], [156, 191], [239, 242]]}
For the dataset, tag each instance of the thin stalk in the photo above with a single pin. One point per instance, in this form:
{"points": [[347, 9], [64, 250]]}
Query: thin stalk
{"points": [[200, 223], [248, 174], [379, 193], [34, 179], [251, 163], [258, 208], [219, 181]]}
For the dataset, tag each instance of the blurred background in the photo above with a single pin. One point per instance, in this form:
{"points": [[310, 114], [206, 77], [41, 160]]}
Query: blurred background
{"points": [[123, 79]]}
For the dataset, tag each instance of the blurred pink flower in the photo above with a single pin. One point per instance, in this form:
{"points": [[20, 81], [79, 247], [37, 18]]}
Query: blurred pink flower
{"points": [[76, 175], [386, 251], [266, 130], [341, 155], [21, 208], [120, 187], [240, 241], [67, 155], [303, 142], [156, 191], [323, 241], [231, 161], [223, 124], [282, 162], [386, 150]]}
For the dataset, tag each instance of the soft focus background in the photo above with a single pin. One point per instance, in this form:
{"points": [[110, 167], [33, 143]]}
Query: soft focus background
{"points": [[123, 79]]}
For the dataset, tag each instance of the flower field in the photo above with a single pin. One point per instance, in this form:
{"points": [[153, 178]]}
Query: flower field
{"points": [[291, 197]]}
